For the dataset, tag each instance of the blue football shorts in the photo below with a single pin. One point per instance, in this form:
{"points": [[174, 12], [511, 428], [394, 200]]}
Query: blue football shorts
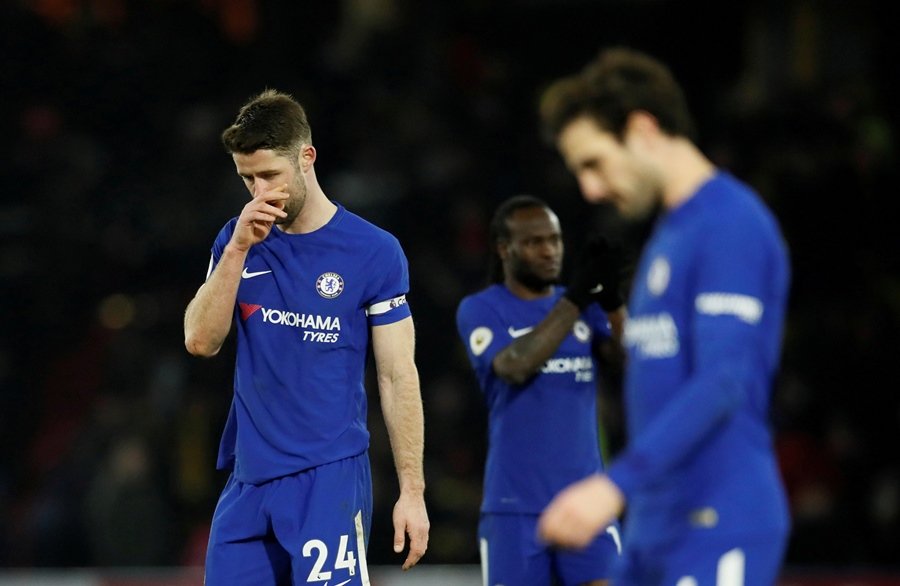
{"points": [[308, 528], [706, 560], [512, 555]]}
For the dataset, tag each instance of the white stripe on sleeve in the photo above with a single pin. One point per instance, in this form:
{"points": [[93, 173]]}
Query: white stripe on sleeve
{"points": [[382, 307], [743, 307]]}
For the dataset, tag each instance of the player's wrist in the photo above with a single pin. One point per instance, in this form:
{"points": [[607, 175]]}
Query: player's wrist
{"points": [[235, 249], [412, 488]]}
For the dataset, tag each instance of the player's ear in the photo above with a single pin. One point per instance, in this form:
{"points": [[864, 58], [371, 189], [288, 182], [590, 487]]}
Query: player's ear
{"points": [[641, 127], [503, 249], [306, 157]]}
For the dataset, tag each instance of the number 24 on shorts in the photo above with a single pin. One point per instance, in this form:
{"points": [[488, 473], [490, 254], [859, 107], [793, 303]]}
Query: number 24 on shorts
{"points": [[344, 559]]}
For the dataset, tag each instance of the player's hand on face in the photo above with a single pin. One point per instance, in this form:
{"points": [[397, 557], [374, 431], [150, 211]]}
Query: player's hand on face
{"points": [[580, 512], [258, 217], [411, 518]]}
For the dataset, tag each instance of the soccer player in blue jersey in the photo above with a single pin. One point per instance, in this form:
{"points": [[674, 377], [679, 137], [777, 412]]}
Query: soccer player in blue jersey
{"points": [[706, 505], [532, 344], [310, 287]]}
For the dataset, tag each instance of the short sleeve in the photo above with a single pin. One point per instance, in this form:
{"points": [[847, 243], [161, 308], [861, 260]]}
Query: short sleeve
{"points": [[218, 247], [478, 326], [385, 300]]}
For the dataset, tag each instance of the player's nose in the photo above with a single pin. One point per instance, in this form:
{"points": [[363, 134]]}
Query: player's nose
{"points": [[261, 186], [593, 188]]}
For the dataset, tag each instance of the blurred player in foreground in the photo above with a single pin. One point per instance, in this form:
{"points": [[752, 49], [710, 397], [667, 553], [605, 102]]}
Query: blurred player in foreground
{"points": [[308, 298], [706, 506], [532, 344]]}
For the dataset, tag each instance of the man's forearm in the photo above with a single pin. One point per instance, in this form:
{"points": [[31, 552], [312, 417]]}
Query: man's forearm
{"points": [[208, 317], [524, 356], [401, 403]]}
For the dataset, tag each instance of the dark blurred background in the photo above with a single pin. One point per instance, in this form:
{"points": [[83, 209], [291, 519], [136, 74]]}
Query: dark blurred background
{"points": [[114, 185]]}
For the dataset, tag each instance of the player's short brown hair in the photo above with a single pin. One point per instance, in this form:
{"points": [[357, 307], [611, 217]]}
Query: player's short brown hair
{"points": [[272, 120], [619, 81]]}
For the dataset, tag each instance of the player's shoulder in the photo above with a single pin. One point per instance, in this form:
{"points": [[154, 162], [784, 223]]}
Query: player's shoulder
{"points": [[480, 301], [225, 232], [732, 207], [736, 197], [354, 225], [228, 228], [487, 296]]}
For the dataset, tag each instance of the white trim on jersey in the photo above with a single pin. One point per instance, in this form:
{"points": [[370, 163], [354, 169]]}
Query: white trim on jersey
{"points": [[382, 307], [209, 268], [743, 307], [483, 551], [361, 549], [614, 532], [730, 571]]}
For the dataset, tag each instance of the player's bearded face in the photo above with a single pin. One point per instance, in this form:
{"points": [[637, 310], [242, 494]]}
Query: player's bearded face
{"points": [[530, 275], [639, 191], [610, 170], [294, 204]]}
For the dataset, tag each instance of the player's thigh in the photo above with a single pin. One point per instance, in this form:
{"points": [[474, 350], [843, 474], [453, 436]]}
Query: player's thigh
{"points": [[240, 550], [322, 518], [597, 561], [709, 562], [510, 551]]}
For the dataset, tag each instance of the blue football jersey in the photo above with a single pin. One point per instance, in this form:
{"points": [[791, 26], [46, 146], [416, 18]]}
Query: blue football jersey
{"points": [[703, 343], [542, 435], [304, 308]]}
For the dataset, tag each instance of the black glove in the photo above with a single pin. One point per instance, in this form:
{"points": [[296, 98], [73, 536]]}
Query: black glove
{"points": [[598, 275]]}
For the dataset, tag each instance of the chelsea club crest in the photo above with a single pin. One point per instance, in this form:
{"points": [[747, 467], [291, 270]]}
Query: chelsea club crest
{"points": [[658, 275], [330, 285]]}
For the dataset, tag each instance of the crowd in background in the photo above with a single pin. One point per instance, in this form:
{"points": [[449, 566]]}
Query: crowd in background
{"points": [[114, 185]]}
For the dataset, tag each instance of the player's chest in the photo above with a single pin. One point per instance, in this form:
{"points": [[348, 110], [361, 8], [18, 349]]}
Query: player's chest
{"points": [[286, 281], [665, 276], [518, 323], [661, 303]]}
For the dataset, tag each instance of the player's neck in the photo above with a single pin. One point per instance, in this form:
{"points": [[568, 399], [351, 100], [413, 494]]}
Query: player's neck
{"points": [[527, 293], [684, 171], [317, 211]]}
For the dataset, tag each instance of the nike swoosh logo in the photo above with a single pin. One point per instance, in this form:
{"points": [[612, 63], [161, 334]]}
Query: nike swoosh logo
{"points": [[341, 584], [520, 332], [248, 275]]}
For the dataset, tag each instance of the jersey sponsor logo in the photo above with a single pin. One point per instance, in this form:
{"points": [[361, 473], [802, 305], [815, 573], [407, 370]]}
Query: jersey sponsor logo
{"points": [[582, 331], [248, 275], [658, 275], [330, 285], [480, 339], [315, 327], [248, 309], [581, 366], [301, 320], [652, 336], [743, 307], [518, 333]]}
